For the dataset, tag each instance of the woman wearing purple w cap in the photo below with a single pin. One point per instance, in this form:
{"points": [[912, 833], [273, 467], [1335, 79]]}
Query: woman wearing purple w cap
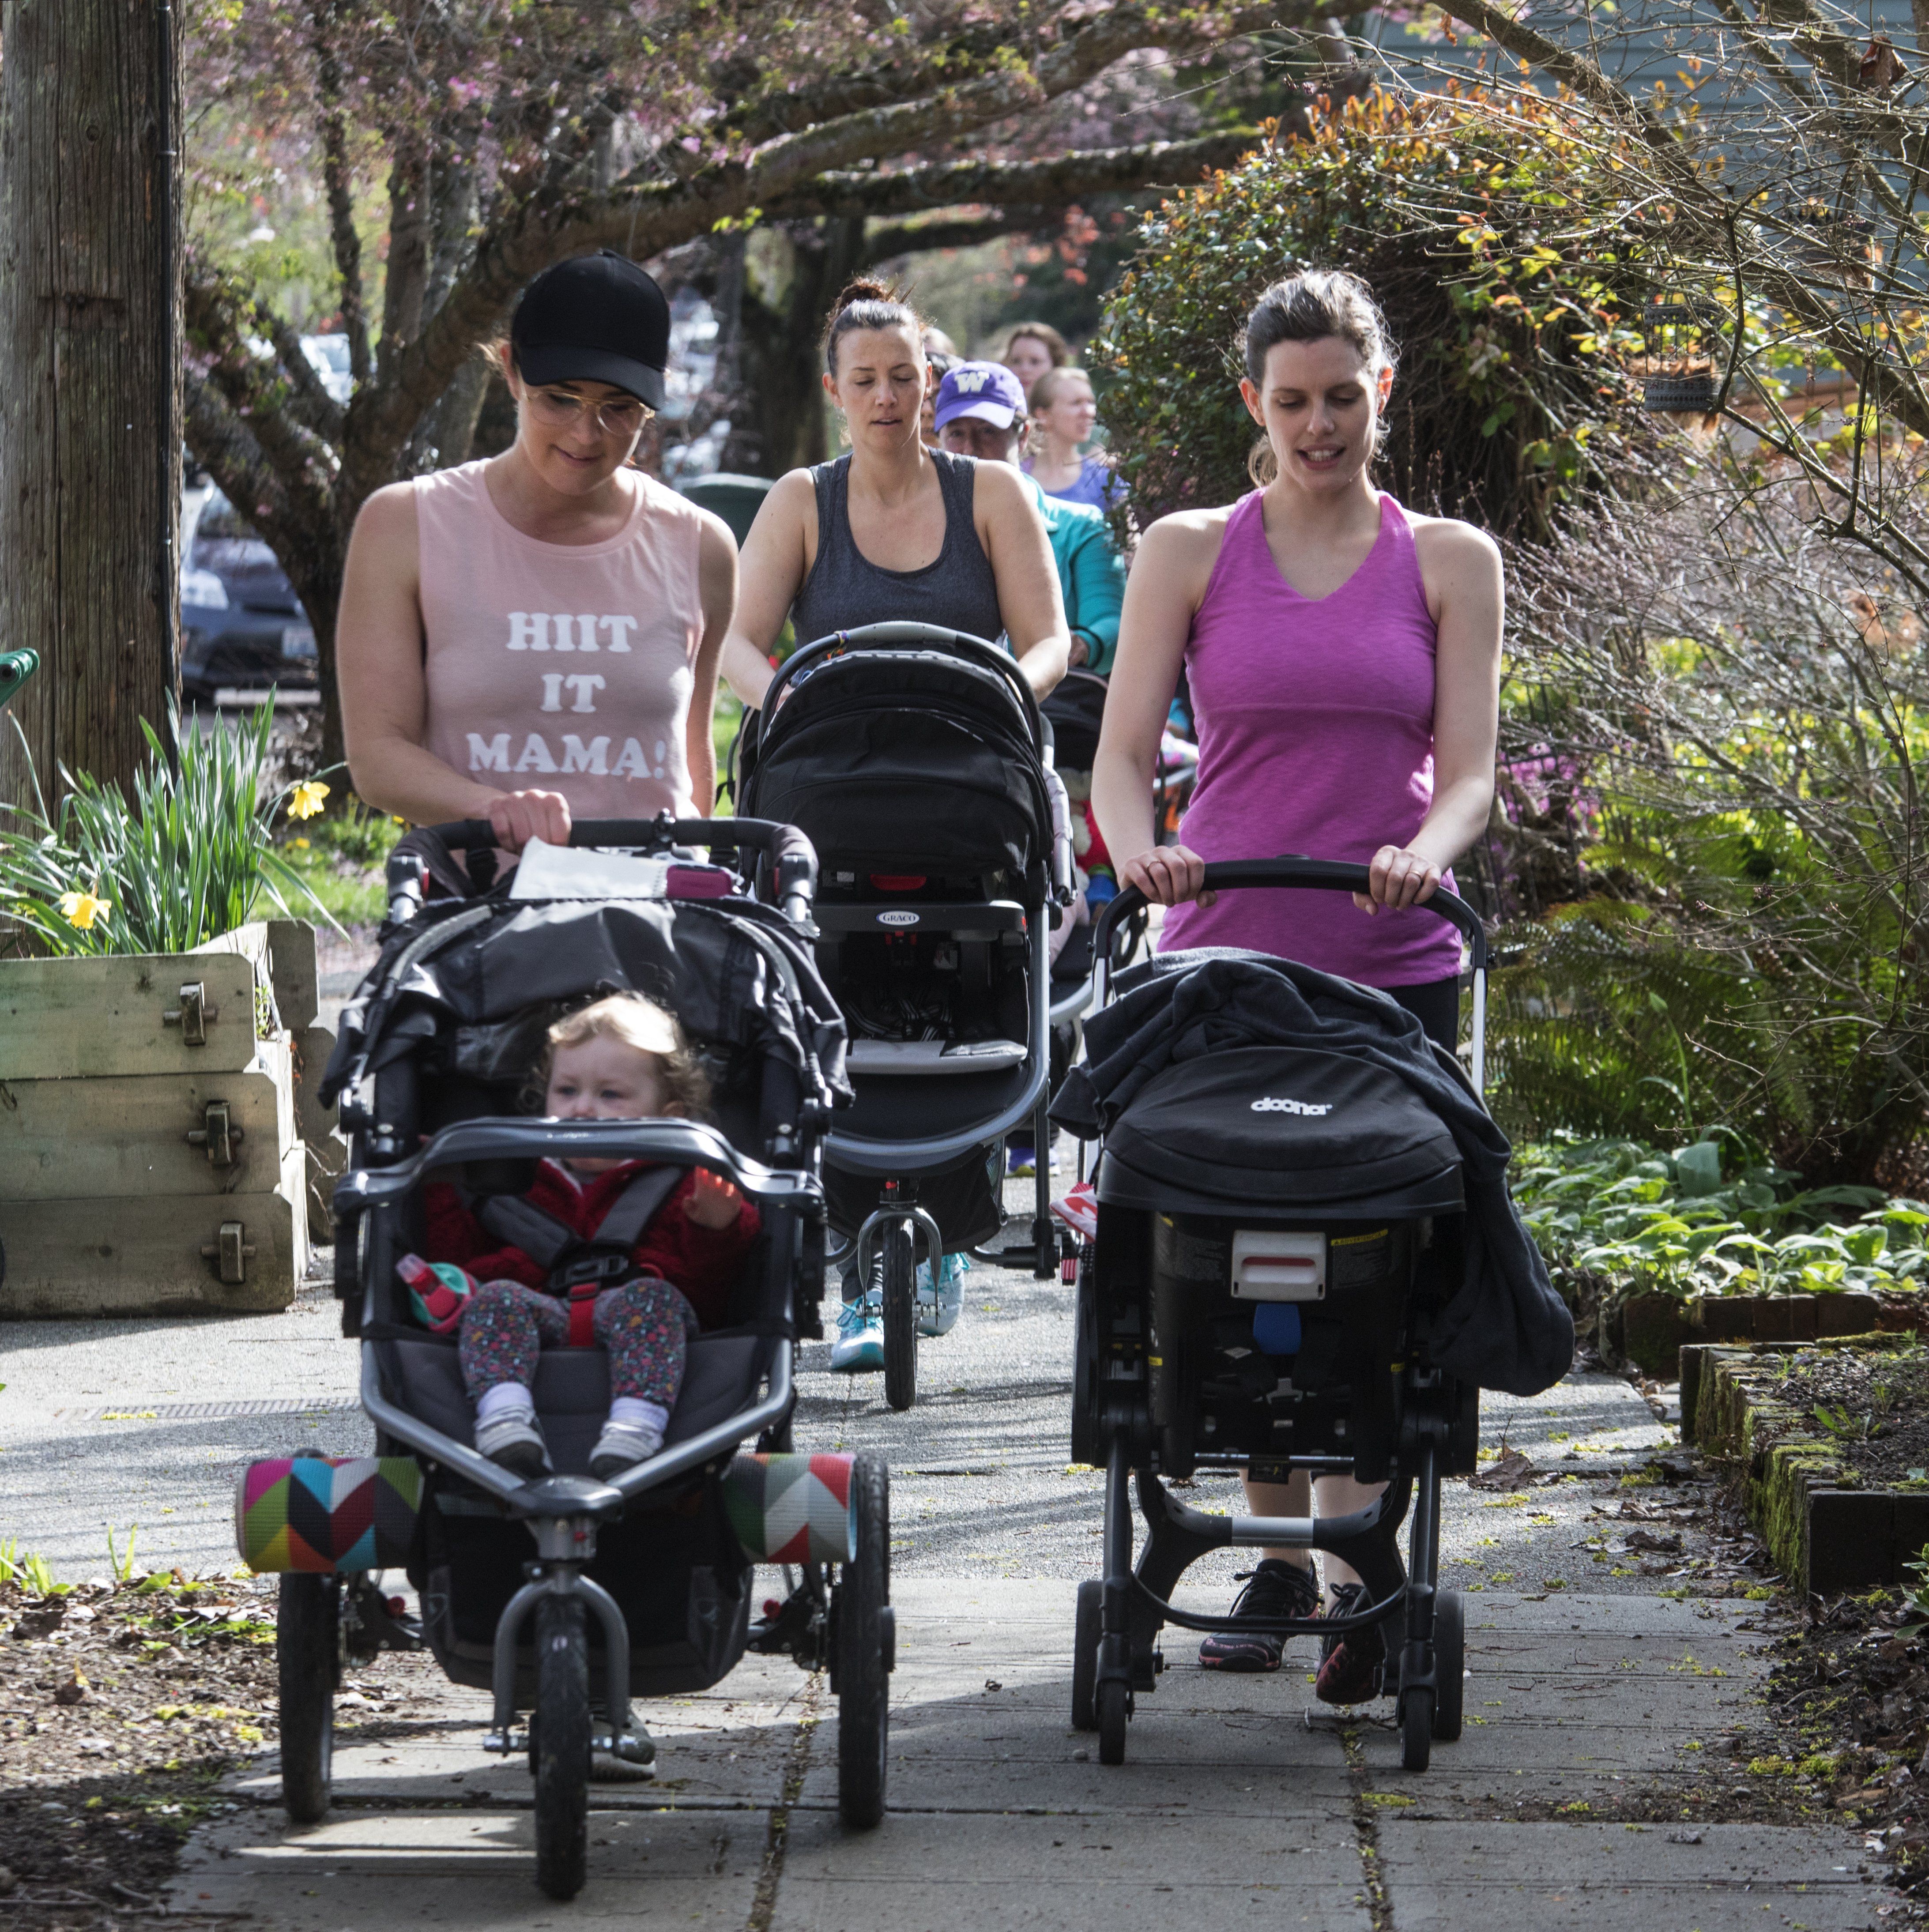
{"points": [[893, 532]]}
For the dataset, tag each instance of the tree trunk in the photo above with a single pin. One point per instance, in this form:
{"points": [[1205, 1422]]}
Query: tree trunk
{"points": [[779, 364], [90, 413]]}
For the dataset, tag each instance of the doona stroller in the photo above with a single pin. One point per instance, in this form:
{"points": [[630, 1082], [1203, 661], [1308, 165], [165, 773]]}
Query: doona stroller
{"points": [[917, 761], [1278, 1227], [567, 1595]]}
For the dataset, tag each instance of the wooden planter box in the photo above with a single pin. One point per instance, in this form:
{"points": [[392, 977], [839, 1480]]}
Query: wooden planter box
{"points": [[159, 1143], [1824, 1529]]}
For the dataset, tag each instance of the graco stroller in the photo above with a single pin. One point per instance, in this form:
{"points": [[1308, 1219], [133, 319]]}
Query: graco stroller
{"points": [[1267, 1269], [640, 1585], [916, 761]]}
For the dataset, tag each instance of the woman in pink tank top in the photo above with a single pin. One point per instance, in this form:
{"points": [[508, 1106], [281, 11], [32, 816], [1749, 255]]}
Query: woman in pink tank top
{"points": [[534, 638], [1344, 659]]}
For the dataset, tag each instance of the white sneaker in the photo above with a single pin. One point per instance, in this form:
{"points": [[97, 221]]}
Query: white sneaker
{"points": [[513, 1437], [938, 1309], [859, 1349], [622, 1446]]}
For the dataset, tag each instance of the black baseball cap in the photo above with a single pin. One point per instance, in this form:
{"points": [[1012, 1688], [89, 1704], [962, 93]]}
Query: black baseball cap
{"points": [[597, 318]]}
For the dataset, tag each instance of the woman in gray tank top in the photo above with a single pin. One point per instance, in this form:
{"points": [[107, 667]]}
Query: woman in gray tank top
{"points": [[894, 532]]}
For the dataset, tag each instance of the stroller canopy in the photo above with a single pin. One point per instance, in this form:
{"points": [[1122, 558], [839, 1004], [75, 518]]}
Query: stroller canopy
{"points": [[896, 760], [1285, 1131], [471, 988]]}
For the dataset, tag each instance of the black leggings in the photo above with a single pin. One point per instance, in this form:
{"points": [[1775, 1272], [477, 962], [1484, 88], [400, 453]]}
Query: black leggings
{"points": [[1436, 1005]]}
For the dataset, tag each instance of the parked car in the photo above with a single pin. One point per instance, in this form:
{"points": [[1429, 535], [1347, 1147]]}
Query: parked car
{"points": [[242, 627]]}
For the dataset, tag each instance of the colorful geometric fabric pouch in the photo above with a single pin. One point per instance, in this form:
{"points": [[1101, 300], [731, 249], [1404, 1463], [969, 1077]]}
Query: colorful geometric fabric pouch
{"points": [[791, 1509], [328, 1513]]}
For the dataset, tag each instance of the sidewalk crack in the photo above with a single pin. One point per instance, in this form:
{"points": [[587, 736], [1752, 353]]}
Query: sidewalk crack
{"points": [[797, 1764], [1366, 1832]]}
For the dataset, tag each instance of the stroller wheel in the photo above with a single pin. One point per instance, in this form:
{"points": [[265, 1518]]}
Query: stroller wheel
{"points": [[1416, 1729], [307, 1633], [1450, 1663], [562, 1747], [1113, 1702], [1086, 1631], [900, 1315], [864, 1649]]}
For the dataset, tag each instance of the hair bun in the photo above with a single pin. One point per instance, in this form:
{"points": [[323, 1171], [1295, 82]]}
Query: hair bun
{"points": [[863, 289], [864, 302]]}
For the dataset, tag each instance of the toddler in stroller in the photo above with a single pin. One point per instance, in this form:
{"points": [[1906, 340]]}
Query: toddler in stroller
{"points": [[567, 1594], [636, 1258]]}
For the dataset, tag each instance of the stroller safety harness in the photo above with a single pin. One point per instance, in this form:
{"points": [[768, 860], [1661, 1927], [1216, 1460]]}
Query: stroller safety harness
{"points": [[581, 1266]]}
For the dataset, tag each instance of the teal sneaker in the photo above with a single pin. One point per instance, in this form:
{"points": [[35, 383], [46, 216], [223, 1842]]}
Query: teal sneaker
{"points": [[938, 1309], [859, 1349]]}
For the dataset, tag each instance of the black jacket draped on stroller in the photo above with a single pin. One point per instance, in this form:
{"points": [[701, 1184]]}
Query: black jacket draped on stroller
{"points": [[1400, 1111]]}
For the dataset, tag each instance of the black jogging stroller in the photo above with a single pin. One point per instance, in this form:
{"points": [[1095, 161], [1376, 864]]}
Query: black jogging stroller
{"points": [[567, 1595], [917, 761], [1277, 1228]]}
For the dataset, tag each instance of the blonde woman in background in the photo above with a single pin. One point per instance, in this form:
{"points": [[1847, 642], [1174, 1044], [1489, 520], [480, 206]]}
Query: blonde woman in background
{"points": [[1031, 348], [1064, 415]]}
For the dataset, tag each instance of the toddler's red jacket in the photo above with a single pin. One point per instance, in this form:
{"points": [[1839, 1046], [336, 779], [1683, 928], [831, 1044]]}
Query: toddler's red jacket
{"points": [[701, 1261]]}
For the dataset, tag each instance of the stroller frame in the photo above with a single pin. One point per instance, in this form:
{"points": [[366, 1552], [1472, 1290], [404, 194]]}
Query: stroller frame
{"points": [[845, 1622], [1115, 1655], [897, 1223]]}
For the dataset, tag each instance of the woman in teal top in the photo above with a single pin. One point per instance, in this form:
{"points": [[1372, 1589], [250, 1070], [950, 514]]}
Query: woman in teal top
{"points": [[981, 413]]}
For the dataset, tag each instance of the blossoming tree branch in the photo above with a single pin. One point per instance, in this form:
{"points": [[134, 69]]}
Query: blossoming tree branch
{"points": [[511, 137]]}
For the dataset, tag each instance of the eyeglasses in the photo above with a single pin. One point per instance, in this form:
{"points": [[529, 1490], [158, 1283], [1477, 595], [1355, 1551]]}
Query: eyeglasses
{"points": [[558, 410]]}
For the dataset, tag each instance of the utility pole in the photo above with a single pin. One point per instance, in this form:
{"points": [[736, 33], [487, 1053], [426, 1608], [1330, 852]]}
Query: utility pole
{"points": [[90, 409]]}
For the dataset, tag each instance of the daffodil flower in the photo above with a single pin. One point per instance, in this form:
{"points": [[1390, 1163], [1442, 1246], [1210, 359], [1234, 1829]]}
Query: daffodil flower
{"points": [[84, 910], [305, 801]]}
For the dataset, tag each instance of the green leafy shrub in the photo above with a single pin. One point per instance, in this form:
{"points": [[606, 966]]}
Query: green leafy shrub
{"points": [[183, 862], [1649, 1220], [1509, 397], [1744, 714]]}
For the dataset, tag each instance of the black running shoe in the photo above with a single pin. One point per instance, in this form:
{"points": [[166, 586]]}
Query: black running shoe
{"points": [[1276, 1588], [1350, 1667]]}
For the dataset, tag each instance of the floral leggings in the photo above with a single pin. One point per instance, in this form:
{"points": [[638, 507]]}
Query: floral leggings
{"points": [[645, 1325]]}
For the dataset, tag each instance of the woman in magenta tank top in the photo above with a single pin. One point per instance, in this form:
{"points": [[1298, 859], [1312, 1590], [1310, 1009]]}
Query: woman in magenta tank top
{"points": [[534, 638], [1344, 659]]}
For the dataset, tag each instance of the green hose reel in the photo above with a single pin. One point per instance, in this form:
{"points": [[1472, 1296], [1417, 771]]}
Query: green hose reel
{"points": [[16, 667]]}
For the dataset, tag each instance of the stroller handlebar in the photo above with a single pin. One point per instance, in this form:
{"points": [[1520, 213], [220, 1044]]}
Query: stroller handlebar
{"points": [[1292, 870], [792, 858]]}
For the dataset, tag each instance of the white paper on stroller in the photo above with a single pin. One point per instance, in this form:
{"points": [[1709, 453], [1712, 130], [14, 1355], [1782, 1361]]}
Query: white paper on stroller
{"points": [[546, 871], [932, 1056]]}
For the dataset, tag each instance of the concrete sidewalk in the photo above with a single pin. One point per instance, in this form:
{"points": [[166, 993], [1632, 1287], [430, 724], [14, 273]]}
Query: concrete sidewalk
{"points": [[149, 1422], [1242, 1801]]}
